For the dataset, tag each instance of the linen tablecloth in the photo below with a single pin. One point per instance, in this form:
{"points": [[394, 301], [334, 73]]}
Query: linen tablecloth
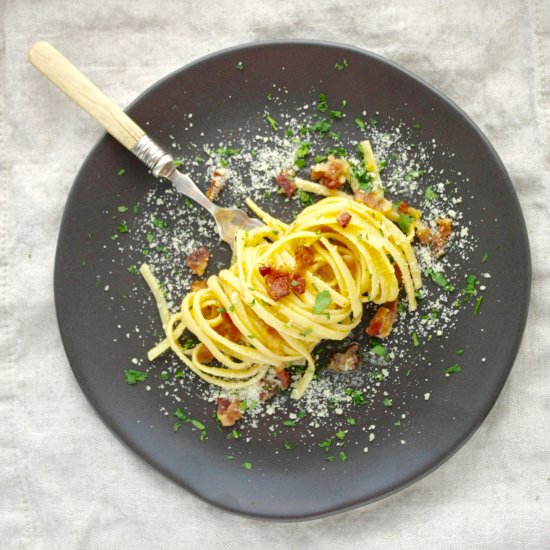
{"points": [[65, 481]]}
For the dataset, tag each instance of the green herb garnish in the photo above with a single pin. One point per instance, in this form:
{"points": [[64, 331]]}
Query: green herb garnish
{"points": [[133, 376], [272, 122], [341, 66], [439, 280], [404, 222], [304, 198], [322, 301], [430, 194], [456, 368], [322, 104], [478, 304]]}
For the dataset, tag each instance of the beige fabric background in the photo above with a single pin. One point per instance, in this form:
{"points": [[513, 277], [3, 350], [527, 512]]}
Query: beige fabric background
{"points": [[65, 482]]}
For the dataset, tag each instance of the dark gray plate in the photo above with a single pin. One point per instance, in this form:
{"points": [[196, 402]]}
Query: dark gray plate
{"points": [[299, 484]]}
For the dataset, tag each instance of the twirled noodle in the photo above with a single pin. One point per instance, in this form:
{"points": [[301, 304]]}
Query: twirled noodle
{"points": [[355, 264]]}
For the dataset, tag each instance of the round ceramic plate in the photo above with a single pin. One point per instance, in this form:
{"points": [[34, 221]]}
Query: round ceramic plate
{"points": [[108, 320]]}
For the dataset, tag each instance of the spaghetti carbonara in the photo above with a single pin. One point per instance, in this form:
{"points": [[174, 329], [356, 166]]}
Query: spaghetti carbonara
{"points": [[289, 287]]}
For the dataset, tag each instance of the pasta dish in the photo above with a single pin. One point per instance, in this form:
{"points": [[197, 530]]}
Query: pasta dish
{"points": [[290, 286]]}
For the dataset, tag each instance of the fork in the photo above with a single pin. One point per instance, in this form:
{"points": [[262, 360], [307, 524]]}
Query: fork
{"points": [[54, 66]]}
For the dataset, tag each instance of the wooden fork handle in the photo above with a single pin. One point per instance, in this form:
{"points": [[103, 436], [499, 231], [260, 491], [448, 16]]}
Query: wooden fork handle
{"points": [[72, 82]]}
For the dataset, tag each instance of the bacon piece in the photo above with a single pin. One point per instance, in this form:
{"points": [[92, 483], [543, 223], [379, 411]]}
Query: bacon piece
{"points": [[227, 328], [217, 183], [198, 260], [209, 312], [228, 412], [265, 270], [268, 392], [374, 200], [343, 218], [423, 232], [398, 274], [345, 362], [382, 322], [270, 387], [198, 284], [405, 208], [283, 378], [278, 283], [439, 238], [304, 258], [298, 284], [204, 355], [332, 173], [285, 180]]}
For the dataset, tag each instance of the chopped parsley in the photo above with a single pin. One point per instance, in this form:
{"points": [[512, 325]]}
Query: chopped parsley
{"points": [[247, 465], [456, 368], [133, 376], [198, 425], [485, 258], [341, 66], [430, 194], [404, 222], [322, 301], [122, 228], [239, 66], [288, 445], [357, 397], [272, 122], [343, 456], [377, 348], [161, 224], [415, 340], [122, 208], [388, 402], [362, 176], [322, 104], [478, 304], [182, 416], [321, 126], [304, 198], [414, 174], [439, 279], [121, 172], [360, 123]]}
